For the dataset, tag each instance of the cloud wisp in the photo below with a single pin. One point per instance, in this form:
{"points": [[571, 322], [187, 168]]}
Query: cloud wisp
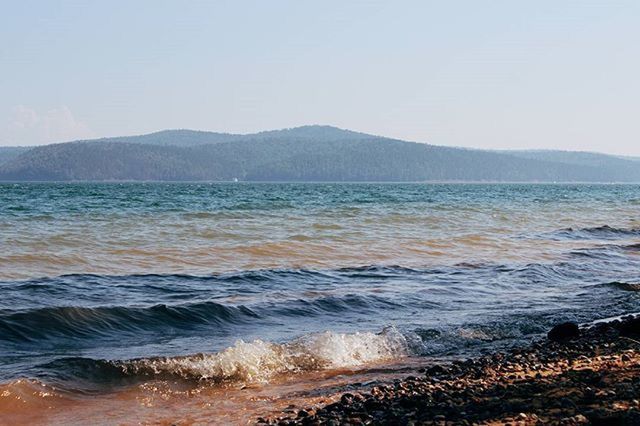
{"points": [[26, 126]]}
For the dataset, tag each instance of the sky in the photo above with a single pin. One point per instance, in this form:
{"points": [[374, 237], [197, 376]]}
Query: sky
{"points": [[545, 74]]}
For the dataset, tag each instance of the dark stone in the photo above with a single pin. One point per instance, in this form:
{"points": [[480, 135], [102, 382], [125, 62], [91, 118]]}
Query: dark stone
{"points": [[630, 326], [435, 370], [373, 405], [604, 417], [563, 332], [347, 398]]}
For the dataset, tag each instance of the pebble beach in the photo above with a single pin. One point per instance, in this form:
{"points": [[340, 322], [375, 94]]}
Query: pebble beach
{"points": [[586, 375]]}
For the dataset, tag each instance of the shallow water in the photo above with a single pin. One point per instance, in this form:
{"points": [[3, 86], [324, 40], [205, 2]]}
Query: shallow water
{"points": [[147, 297]]}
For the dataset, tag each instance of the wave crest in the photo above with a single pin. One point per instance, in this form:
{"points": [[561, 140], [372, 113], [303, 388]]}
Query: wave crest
{"points": [[81, 322], [604, 232], [245, 362], [258, 361]]}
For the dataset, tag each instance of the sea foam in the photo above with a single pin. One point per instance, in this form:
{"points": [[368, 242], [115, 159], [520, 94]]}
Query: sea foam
{"points": [[258, 361]]}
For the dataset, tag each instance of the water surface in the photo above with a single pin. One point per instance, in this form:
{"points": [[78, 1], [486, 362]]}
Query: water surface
{"points": [[131, 295]]}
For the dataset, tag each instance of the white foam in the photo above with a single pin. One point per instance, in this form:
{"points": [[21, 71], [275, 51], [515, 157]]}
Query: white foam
{"points": [[258, 361]]}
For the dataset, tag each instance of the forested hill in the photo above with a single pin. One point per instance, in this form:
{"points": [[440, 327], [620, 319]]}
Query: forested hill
{"points": [[309, 153], [183, 137], [8, 153]]}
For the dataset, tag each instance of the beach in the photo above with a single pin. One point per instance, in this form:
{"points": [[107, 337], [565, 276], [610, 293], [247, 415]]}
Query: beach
{"points": [[590, 377]]}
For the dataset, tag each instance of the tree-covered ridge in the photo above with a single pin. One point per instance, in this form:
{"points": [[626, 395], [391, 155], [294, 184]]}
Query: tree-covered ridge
{"points": [[184, 137], [8, 153], [310, 153]]}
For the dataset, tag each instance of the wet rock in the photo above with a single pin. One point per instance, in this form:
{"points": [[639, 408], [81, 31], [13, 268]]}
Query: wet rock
{"points": [[580, 419], [563, 332], [630, 327], [373, 405], [593, 377], [347, 398], [435, 370]]}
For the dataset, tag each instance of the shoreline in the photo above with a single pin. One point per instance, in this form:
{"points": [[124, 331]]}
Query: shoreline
{"points": [[587, 375]]}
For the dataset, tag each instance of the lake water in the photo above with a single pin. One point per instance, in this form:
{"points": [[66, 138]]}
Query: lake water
{"points": [[158, 301]]}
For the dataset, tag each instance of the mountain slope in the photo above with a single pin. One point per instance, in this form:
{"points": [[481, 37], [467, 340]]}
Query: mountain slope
{"points": [[183, 137], [179, 137], [310, 153], [573, 157], [8, 153]]}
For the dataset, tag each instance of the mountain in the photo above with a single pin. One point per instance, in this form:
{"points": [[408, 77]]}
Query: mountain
{"points": [[308, 153], [183, 137], [314, 132], [573, 157], [179, 137], [8, 153]]}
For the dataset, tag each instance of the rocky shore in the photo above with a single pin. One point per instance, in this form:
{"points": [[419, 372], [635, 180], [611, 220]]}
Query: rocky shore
{"points": [[588, 375]]}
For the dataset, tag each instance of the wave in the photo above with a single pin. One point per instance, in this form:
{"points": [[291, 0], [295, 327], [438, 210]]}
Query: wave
{"points": [[246, 362], [80, 322], [260, 361], [440, 311], [63, 323], [609, 252], [604, 232]]}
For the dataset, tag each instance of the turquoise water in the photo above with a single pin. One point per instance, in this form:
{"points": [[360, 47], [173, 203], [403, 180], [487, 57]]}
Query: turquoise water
{"points": [[98, 280]]}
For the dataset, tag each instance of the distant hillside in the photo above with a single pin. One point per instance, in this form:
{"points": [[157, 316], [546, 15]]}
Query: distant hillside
{"points": [[629, 158], [317, 133], [310, 153], [572, 157], [8, 153], [172, 138], [182, 137]]}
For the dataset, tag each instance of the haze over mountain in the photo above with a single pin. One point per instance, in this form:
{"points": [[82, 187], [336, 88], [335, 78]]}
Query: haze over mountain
{"points": [[307, 153], [8, 153]]}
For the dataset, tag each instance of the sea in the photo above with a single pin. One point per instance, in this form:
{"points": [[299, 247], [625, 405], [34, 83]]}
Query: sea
{"points": [[197, 303]]}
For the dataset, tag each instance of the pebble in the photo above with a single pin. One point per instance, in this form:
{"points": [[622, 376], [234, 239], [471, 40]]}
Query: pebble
{"points": [[548, 382]]}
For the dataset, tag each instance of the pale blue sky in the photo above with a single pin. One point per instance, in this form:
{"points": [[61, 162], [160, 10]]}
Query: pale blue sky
{"points": [[488, 74]]}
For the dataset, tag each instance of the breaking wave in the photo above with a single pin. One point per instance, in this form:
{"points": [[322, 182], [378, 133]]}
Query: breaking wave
{"points": [[245, 362]]}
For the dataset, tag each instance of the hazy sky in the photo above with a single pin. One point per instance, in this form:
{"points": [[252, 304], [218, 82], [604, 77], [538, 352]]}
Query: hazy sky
{"points": [[491, 74]]}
